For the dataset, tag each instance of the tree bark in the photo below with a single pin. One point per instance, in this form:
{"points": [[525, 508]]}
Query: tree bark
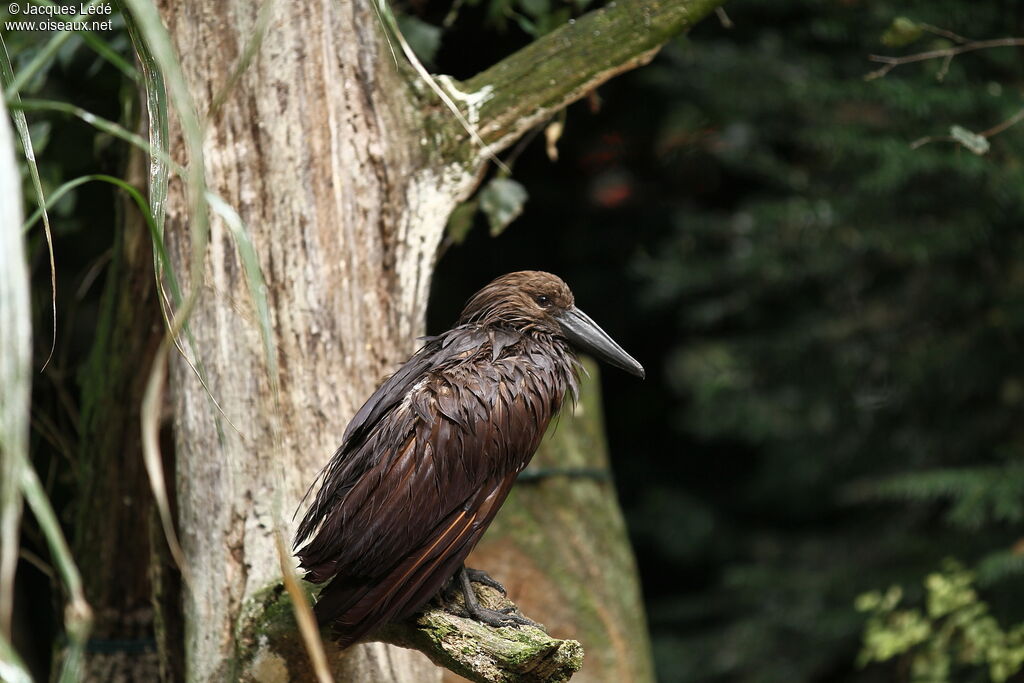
{"points": [[345, 168], [321, 150]]}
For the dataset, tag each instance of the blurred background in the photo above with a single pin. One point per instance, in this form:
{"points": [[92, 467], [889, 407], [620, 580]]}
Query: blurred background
{"points": [[823, 275]]}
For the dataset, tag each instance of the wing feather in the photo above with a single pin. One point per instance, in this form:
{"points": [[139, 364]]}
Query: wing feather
{"points": [[421, 474]]}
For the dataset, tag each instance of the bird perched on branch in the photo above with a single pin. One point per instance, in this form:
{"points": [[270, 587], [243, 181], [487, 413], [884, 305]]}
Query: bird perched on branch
{"points": [[428, 460]]}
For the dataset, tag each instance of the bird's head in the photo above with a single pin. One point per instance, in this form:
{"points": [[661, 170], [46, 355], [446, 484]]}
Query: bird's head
{"points": [[532, 300]]}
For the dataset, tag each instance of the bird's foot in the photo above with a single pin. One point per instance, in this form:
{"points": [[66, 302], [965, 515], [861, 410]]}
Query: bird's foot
{"points": [[492, 617], [485, 579], [499, 617]]}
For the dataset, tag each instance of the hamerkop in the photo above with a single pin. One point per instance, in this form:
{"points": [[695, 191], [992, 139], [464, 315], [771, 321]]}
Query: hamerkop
{"points": [[427, 461]]}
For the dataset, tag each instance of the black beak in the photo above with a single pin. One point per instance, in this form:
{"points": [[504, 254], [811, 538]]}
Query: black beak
{"points": [[586, 335]]}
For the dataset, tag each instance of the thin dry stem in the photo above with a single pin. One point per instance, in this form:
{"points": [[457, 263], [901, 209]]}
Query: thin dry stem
{"points": [[150, 418], [303, 614], [946, 53]]}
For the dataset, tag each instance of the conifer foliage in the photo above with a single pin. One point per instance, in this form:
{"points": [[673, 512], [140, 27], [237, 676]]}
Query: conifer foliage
{"points": [[848, 313]]}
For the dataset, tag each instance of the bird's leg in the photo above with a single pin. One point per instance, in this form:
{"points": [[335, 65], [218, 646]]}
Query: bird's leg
{"points": [[453, 586], [491, 617], [482, 577]]}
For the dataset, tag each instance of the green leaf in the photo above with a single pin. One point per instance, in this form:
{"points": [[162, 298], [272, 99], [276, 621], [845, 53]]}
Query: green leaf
{"points": [[969, 139], [902, 31], [502, 201], [424, 38]]}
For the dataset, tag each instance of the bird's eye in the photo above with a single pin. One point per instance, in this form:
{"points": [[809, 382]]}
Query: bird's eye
{"points": [[543, 301]]}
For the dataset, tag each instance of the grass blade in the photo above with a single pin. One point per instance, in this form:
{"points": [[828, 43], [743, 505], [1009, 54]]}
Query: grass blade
{"points": [[167, 82], [12, 670], [152, 403], [308, 629], [254, 279], [15, 368], [160, 251], [21, 123], [145, 30], [156, 110], [98, 122], [15, 363], [103, 50], [56, 195], [77, 613], [303, 614]]}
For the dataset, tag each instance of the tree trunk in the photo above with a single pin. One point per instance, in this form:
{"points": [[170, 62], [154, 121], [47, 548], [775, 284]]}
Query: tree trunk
{"points": [[345, 167], [321, 149]]}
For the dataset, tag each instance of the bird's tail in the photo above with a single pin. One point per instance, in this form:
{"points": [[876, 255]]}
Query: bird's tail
{"points": [[355, 606]]}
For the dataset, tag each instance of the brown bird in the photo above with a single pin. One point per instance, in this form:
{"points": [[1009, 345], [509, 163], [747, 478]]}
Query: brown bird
{"points": [[427, 461]]}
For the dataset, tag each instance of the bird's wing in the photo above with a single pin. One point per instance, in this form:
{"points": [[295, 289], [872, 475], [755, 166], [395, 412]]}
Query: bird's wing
{"points": [[433, 471], [356, 605], [391, 392], [435, 353], [345, 466]]}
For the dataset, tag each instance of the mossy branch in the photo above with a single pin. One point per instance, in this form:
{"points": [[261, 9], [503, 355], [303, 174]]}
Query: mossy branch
{"points": [[485, 654], [268, 640], [559, 68]]}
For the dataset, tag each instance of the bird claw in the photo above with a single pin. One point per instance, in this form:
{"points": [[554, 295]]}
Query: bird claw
{"points": [[499, 618], [483, 578], [492, 617]]}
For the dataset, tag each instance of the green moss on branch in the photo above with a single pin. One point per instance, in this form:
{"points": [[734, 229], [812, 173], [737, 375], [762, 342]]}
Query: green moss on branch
{"points": [[529, 86], [269, 646]]}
